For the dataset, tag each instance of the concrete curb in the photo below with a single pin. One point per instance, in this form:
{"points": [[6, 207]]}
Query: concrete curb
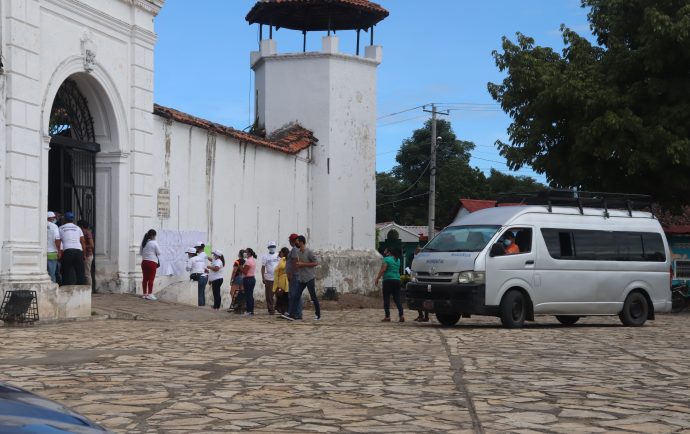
{"points": [[95, 316]]}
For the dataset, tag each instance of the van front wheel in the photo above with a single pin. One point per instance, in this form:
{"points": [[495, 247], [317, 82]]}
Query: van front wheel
{"points": [[513, 310], [567, 320], [448, 319], [635, 310]]}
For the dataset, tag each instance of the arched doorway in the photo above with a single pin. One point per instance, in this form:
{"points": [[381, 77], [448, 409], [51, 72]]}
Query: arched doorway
{"points": [[72, 156]]}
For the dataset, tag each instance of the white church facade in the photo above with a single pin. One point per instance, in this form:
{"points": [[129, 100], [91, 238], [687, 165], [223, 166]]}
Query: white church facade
{"points": [[79, 131]]}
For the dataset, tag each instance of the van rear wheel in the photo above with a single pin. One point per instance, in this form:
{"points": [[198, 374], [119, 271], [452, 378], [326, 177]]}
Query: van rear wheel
{"points": [[513, 310], [448, 319], [635, 310], [567, 319]]}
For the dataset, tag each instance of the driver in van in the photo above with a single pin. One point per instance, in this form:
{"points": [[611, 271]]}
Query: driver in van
{"points": [[509, 243]]}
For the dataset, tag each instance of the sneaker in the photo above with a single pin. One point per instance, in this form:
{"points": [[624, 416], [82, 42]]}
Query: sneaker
{"points": [[248, 314], [152, 297], [287, 317], [386, 319], [317, 317]]}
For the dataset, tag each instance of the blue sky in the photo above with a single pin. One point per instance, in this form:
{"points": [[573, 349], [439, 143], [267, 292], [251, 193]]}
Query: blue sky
{"points": [[434, 51]]}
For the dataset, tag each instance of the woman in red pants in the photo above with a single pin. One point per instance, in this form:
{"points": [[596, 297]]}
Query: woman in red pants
{"points": [[150, 253]]}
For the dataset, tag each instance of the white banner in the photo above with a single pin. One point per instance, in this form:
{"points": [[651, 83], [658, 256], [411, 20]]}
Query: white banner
{"points": [[174, 245]]}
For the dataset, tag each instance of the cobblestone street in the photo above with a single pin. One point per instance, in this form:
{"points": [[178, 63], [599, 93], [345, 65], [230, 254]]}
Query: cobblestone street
{"points": [[218, 372]]}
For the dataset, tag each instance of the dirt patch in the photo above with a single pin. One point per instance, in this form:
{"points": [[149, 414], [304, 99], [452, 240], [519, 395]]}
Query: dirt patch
{"points": [[351, 301]]}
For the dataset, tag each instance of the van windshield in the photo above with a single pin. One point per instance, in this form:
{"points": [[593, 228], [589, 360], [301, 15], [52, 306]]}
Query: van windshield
{"points": [[462, 239]]}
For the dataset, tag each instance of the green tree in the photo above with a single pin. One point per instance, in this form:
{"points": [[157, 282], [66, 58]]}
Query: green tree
{"points": [[613, 116], [499, 182], [454, 176]]}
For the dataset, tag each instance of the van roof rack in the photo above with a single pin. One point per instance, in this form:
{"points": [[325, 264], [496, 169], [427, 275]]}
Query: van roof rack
{"points": [[580, 199]]}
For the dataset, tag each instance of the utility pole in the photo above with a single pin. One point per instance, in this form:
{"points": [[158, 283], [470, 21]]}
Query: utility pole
{"points": [[432, 171]]}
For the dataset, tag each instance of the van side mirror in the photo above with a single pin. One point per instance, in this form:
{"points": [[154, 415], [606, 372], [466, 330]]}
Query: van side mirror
{"points": [[497, 250]]}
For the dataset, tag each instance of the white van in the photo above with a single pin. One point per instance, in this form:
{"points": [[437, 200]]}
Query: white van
{"points": [[569, 262]]}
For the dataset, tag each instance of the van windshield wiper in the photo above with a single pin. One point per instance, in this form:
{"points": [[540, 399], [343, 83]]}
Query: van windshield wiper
{"points": [[463, 250], [431, 250]]}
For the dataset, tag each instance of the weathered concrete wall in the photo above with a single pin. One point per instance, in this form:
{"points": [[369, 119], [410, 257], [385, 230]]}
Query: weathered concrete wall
{"points": [[57, 302], [348, 271]]}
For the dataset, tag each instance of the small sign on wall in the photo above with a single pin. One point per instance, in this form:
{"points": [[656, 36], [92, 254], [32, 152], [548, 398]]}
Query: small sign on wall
{"points": [[163, 203]]}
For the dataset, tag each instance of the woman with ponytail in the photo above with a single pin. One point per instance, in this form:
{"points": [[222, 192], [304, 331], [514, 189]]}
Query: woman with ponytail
{"points": [[390, 271], [150, 262], [215, 276]]}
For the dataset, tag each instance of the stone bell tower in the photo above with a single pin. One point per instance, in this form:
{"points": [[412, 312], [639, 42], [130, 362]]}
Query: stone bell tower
{"points": [[333, 94]]}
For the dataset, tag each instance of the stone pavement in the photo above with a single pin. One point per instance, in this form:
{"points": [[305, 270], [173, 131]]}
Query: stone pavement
{"points": [[217, 372]]}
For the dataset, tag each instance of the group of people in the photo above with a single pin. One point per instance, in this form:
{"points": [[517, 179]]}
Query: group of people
{"points": [[70, 250], [285, 274]]}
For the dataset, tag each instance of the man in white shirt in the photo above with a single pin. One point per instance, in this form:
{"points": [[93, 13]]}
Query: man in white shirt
{"points": [[269, 262], [198, 268], [73, 247], [53, 246]]}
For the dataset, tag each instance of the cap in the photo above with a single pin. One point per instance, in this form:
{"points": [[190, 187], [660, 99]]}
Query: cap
{"points": [[198, 244], [217, 253], [271, 244], [69, 215], [293, 236], [51, 214], [191, 250]]}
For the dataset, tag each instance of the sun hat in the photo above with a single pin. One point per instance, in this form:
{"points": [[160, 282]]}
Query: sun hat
{"points": [[271, 244], [51, 214], [199, 244], [217, 253], [191, 250]]}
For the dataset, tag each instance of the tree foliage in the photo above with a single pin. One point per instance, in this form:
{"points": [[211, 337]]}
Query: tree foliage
{"points": [[402, 194], [614, 116]]}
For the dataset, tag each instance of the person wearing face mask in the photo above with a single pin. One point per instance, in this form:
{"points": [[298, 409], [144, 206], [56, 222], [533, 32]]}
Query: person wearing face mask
{"points": [[53, 246], [215, 276], [509, 243], [198, 272], [269, 261], [236, 288], [249, 280]]}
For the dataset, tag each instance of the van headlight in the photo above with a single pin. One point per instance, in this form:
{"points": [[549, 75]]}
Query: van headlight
{"points": [[413, 277], [472, 277]]}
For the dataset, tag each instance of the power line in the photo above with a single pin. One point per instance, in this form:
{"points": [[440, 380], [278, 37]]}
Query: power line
{"points": [[402, 200], [469, 103], [411, 187], [397, 113], [401, 121]]}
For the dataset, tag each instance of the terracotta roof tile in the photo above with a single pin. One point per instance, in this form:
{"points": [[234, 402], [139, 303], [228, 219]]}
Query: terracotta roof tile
{"points": [[677, 229], [290, 140], [473, 205]]}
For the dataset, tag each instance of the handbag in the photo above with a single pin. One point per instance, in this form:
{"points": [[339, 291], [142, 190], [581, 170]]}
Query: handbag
{"points": [[194, 276], [158, 263]]}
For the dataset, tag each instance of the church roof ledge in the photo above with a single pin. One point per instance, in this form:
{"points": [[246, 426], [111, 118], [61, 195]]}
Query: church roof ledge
{"points": [[291, 139]]}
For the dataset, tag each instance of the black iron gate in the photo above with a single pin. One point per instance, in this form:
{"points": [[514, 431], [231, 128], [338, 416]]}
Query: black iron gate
{"points": [[72, 178]]}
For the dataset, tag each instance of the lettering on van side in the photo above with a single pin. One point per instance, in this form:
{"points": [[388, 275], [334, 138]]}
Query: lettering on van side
{"points": [[435, 261]]}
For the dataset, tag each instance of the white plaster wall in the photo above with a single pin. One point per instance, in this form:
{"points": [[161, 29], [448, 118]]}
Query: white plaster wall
{"points": [[240, 195], [333, 95]]}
